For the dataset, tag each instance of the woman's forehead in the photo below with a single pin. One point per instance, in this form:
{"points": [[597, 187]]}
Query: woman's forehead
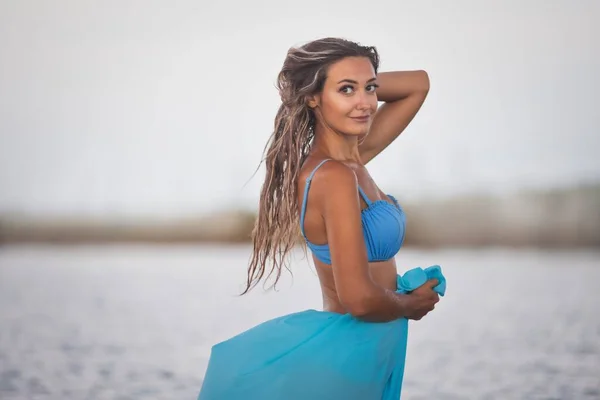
{"points": [[358, 69]]}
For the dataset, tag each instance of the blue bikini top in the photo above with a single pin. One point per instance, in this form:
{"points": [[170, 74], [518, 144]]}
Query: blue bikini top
{"points": [[383, 226]]}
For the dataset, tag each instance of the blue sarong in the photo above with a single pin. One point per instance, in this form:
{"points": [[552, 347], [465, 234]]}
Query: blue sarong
{"points": [[316, 355]]}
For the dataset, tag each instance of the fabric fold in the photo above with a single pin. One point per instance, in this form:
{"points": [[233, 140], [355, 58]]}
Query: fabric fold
{"points": [[416, 277]]}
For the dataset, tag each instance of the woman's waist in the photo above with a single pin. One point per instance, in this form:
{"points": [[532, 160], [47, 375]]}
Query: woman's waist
{"points": [[383, 273]]}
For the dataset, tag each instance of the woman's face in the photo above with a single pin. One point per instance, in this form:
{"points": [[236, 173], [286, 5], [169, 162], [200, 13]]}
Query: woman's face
{"points": [[348, 100]]}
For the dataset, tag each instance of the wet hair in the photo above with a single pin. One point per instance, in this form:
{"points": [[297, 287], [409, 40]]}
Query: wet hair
{"points": [[276, 230]]}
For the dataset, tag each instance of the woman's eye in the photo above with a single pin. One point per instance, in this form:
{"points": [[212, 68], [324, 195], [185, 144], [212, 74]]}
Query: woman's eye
{"points": [[350, 89]]}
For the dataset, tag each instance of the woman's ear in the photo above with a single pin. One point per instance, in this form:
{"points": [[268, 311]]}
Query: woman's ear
{"points": [[313, 101]]}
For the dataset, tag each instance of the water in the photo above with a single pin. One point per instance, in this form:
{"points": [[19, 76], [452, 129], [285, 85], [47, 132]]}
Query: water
{"points": [[135, 322]]}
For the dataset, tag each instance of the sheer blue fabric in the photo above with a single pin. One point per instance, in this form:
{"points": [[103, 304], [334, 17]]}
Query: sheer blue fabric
{"points": [[315, 355]]}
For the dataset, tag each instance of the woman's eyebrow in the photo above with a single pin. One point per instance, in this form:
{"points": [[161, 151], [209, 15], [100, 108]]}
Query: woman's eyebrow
{"points": [[354, 82]]}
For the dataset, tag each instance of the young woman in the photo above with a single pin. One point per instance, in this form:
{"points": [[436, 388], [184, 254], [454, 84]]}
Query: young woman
{"points": [[327, 129]]}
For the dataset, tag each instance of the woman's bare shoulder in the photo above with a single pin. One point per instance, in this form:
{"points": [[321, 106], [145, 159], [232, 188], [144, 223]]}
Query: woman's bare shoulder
{"points": [[330, 172]]}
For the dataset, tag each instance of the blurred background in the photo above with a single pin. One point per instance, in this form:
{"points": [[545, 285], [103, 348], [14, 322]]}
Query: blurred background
{"points": [[130, 132]]}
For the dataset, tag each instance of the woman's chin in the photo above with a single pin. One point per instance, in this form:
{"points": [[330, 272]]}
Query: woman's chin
{"points": [[356, 131]]}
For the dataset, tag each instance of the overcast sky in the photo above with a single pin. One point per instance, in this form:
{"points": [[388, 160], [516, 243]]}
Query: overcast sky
{"points": [[164, 107]]}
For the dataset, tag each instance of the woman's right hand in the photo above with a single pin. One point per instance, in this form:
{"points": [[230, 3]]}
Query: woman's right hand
{"points": [[422, 300]]}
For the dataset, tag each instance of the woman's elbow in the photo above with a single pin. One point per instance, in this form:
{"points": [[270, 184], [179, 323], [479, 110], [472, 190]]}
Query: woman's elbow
{"points": [[359, 306], [425, 82]]}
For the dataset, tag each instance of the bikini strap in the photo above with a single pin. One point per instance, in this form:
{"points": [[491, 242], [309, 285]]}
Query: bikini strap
{"points": [[364, 196], [304, 200]]}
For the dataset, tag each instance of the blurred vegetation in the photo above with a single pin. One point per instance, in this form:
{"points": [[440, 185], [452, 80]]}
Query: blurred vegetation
{"points": [[558, 218]]}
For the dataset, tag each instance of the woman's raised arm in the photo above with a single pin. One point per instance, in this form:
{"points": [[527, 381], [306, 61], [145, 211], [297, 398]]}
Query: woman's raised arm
{"points": [[403, 93]]}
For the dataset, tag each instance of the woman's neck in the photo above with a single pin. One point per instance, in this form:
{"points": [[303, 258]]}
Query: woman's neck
{"points": [[336, 145]]}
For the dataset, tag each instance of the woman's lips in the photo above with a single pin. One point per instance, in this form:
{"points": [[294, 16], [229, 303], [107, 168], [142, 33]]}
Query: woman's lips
{"points": [[363, 119]]}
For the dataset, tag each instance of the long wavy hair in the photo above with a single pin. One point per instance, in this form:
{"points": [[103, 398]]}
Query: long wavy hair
{"points": [[304, 71]]}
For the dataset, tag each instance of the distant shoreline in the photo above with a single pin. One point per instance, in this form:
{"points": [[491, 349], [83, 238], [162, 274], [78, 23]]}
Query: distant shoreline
{"points": [[553, 219]]}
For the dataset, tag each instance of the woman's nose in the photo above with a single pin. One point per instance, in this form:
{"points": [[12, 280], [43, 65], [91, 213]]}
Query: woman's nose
{"points": [[364, 101], [363, 104]]}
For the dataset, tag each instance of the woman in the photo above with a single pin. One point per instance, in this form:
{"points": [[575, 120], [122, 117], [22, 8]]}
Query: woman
{"points": [[327, 128]]}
